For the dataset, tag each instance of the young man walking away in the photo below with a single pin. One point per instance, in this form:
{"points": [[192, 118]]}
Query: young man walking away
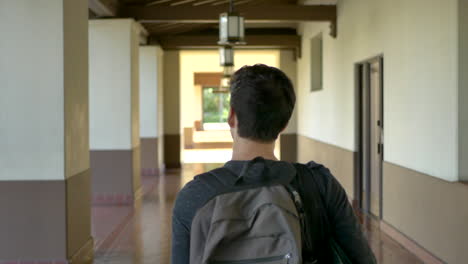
{"points": [[257, 209]]}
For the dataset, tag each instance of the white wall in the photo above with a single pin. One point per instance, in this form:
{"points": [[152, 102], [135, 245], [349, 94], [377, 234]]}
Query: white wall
{"points": [[112, 87], [418, 39], [32, 94], [208, 61], [148, 92]]}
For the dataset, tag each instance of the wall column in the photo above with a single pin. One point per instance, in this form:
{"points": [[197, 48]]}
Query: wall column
{"points": [[288, 139], [44, 147], [150, 109], [172, 109], [114, 110]]}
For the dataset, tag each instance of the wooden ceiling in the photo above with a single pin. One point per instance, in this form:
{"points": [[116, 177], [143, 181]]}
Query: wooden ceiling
{"points": [[175, 21], [203, 2]]}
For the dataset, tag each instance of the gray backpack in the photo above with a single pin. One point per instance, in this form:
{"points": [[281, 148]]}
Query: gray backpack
{"points": [[248, 223]]}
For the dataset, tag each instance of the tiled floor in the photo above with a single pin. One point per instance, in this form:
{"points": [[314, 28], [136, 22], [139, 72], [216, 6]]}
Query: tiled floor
{"points": [[144, 237]]}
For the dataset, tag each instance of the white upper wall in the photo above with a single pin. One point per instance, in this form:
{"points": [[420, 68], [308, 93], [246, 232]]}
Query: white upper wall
{"points": [[418, 40], [110, 83], [149, 91], [32, 94]]}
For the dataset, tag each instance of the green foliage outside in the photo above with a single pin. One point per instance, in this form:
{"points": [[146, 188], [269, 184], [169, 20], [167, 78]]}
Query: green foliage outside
{"points": [[215, 106]]}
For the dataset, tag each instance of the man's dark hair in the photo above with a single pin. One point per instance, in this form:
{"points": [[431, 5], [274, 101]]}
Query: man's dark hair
{"points": [[263, 99]]}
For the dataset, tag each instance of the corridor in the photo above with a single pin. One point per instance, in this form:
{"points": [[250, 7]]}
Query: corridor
{"points": [[145, 237], [109, 107]]}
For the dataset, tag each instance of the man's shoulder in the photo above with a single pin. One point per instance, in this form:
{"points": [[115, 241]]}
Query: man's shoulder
{"points": [[195, 194]]}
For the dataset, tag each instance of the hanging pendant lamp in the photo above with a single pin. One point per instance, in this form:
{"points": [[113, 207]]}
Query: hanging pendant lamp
{"points": [[231, 27]]}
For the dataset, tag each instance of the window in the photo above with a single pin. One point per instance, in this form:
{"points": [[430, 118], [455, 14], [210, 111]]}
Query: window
{"points": [[215, 105], [316, 59]]}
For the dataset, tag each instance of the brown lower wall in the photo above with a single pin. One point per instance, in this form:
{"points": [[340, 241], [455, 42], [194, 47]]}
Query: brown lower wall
{"points": [[46, 220], [341, 162], [33, 220], [115, 175], [149, 153], [172, 151], [78, 208], [432, 212], [288, 147]]}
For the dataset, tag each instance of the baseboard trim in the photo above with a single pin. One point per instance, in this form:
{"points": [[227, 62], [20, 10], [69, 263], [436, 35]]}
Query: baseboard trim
{"points": [[412, 246], [85, 254]]}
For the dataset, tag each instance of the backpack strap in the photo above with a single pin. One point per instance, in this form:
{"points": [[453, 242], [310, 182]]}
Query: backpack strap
{"points": [[316, 227]]}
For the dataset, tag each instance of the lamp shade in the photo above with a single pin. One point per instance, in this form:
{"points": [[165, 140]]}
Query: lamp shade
{"points": [[226, 56], [231, 29], [225, 82], [228, 71]]}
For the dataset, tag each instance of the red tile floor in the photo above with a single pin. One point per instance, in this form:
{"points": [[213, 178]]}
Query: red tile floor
{"points": [[142, 234]]}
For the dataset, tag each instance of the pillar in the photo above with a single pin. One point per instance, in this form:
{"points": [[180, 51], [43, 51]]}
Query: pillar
{"points": [[288, 139], [151, 114], [172, 110], [463, 90], [44, 144], [114, 110]]}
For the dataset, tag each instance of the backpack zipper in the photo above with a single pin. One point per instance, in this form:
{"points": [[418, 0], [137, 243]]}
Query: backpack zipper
{"points": [[286, 257]]}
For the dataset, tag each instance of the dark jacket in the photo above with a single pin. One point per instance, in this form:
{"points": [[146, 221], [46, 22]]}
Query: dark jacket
{"points": [[345, 227]]}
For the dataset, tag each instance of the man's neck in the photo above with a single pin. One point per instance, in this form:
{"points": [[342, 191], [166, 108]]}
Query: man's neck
{"points": [[245, 149]]}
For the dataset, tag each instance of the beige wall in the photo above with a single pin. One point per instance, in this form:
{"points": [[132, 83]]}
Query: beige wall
{"points": [[160, 117], [135, 83], [430, 211], [463, 89], [208, 61], [287, 63], [341, 162], [420, 80], [171, 93], [76, 87]]}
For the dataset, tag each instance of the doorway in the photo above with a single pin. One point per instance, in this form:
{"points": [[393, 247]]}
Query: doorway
{"points": [[368, 182]]}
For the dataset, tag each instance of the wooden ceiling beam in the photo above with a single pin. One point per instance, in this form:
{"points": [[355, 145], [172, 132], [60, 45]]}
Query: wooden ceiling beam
{"points": [[210, 14], [210, 42], [104, 8]]}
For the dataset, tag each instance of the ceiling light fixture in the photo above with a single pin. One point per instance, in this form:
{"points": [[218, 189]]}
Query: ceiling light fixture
{"points": [[231, 27]]}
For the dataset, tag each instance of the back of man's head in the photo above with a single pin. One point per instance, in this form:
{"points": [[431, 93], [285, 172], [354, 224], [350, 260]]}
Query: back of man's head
{"points": [[263, 99]]}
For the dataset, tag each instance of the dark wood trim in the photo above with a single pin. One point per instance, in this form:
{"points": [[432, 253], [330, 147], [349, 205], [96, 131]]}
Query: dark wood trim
{"points": [[288, 149], [252, 13], [104, 8], [212, 145], [211, 42], [207, 78], [422, 253], [172, 151]]}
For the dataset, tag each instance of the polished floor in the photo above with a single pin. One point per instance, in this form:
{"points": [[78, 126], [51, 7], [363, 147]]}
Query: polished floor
{"points": [[142, 234]]}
